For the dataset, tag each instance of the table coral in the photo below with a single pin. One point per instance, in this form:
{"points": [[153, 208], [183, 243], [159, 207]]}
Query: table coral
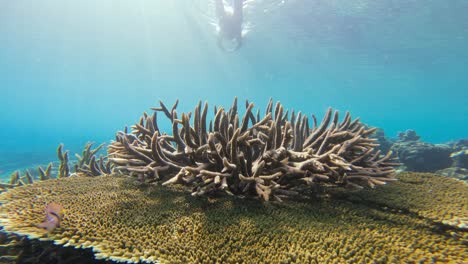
{"points": [[124, 221]]}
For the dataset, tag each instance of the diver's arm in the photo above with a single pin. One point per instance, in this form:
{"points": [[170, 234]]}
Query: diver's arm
{"points": [[219, 9], [239, 17], [239, 9]]}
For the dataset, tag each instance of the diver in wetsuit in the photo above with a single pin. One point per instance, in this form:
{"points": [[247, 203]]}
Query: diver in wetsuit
{"points": [[230, 25]]}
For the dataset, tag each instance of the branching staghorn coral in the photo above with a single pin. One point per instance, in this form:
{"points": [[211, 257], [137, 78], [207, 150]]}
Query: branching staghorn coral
{"points": [[272, 156], [45, 174], [64, 169], [89, 164], [17, 180]]}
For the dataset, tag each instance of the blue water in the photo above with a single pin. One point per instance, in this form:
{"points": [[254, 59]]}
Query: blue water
{"points": [[73, 71]]}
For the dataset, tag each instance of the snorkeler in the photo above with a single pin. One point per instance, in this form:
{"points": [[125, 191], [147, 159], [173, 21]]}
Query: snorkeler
{"points": [[230, 25]]}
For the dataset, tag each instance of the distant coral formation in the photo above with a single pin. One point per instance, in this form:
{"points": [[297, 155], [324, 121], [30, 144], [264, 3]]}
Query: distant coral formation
{"points": [[271, 156], [408, 135], [449, 159], [385, 144], [459, 153], [16, 179], [123, 221], [423, 157], [87, 165]]}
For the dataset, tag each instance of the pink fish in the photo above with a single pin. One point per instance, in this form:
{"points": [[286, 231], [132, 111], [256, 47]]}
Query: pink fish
{"points": [[54, 215]]}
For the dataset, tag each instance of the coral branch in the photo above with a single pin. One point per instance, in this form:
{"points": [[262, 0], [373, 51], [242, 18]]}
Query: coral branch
{"points": [[269, 156]]}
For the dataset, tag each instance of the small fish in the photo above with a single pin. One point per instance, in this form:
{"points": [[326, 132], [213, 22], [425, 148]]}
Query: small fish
{"points": [[54, 215]]}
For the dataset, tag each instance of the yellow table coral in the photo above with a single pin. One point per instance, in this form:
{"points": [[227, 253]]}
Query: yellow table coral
{"points": [[123, 221]]}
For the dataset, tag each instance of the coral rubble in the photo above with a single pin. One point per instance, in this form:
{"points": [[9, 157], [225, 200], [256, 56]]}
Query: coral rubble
{"points": [[272, 156], [123, 221]]}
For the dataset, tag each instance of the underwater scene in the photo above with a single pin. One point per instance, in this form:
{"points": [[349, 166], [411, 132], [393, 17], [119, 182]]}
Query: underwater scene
{"points": [[234, 131]]}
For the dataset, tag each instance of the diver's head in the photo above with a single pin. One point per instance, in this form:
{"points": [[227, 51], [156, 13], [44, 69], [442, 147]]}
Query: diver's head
{"points": [[230, 33], [229, 45]]}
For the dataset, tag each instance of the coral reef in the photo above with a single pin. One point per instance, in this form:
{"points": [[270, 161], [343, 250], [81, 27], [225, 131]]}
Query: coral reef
{"points": [[45, 174], [385, 144], [408, 135], [408, 196], [455, 172], [449, 159], [124, 221], [64, 170], [89, 165], [14, 249], [19, 249], [460, 144], [17, 180], [423, 157], [272, 156], [86, 165], [459, 154], [460, 158], [9, 244]]}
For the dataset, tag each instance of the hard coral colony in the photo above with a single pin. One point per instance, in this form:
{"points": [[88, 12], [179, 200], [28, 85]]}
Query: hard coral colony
{"points": [[272, 156]]}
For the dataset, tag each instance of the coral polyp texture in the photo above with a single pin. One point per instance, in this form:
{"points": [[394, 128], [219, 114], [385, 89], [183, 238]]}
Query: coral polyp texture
{"points": [[273, 156], [124, 221]]}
